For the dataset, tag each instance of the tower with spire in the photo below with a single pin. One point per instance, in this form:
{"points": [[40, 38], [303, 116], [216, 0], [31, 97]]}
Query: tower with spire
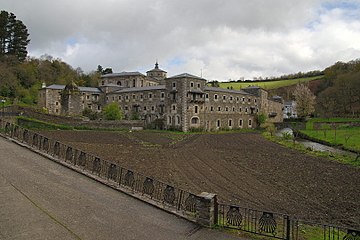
{"points": [[156, 73]]}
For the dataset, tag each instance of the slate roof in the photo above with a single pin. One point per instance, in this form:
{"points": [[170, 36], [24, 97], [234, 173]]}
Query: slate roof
{"points": [[216, 89], [186, 75], [82, 89], [137, 89], [122, 74]]}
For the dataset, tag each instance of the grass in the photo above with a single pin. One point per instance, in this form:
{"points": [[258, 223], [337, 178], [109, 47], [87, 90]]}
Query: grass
{"points": [[310, 122], [348, 137], [32, 123], [345, 159], [268, 84], [344, 134]]}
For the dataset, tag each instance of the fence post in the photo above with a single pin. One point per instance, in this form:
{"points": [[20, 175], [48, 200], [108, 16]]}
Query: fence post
{"points": [[288, 228], [207, 209]]}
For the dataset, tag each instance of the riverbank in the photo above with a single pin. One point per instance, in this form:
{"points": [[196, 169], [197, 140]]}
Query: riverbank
{"points": [[337, 155]]}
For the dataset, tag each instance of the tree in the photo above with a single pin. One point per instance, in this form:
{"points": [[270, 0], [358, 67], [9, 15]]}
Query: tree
{"points": [[305, 101], [112, 112], [14, 36]]}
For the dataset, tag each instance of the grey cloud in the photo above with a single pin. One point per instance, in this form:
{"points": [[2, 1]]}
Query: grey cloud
{"points": [[227, 39]]}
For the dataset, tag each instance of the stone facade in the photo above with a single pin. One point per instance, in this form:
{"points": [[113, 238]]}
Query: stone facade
{"points": [[183, 102]]}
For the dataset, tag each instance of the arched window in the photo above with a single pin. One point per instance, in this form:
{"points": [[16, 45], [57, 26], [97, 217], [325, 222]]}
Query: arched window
{"points": [[195, 120], [119, 83]]}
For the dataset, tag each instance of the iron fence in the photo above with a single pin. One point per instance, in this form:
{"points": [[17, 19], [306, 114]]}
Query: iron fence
{"points": [[279, 226], [269, 224], [167, 195]]}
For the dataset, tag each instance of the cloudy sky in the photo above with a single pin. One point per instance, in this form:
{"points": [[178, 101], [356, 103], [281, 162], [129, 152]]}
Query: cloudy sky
{"points": [[222, 40]]}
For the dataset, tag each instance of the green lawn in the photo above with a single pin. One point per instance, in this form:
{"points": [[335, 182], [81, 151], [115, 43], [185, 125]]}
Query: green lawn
{"points": [[268, 84], [349, 137], [310, 123]]}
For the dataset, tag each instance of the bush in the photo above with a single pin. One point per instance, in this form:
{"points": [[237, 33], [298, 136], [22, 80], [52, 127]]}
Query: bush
{"points": [[90, 114], [113, 112]]}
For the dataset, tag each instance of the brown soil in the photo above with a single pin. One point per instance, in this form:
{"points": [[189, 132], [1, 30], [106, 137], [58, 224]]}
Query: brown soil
{"points": [[242, 168]]}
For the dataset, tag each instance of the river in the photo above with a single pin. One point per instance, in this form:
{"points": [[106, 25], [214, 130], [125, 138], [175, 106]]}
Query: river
{"points": [[314, 145]]}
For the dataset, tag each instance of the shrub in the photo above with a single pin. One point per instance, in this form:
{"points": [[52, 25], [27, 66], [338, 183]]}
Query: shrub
{"points": [[112, 112]]}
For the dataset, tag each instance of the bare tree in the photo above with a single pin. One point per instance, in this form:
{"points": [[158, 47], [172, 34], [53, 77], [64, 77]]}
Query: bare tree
{"points": [[305, 100]]}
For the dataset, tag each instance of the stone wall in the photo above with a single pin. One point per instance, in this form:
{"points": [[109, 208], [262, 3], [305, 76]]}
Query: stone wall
{"points": [[78, 122]]}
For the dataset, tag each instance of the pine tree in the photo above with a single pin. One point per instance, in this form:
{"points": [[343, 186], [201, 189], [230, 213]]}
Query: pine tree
{"points": [[14, 36]]}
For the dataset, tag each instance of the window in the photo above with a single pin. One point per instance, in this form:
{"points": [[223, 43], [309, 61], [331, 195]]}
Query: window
{"points": [[249, 100], [231, 98], [243, 99], [119, 98], [141, 96], [239, 109], [218, 123], [196, 109], [246, 110], [152, 108], [226, 109], [219, 109], [133, 96], [198, 85], [144, 108], [150, 96], [215, 96], [126, 108], [56, 103], [191, 84], [250, 123], [240, 123], [127, 97], [102, 83], [88, 97], [207, 95], [194, 120], [169, 119], [230, 123], [134, 83], [233, 109], [254, 100], [162, 95], [174, 107], [118, 83], [211, 108], [224, 97], [178, 120], [174, 84]]}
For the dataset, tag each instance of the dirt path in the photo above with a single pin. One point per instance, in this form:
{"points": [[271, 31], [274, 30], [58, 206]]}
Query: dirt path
{"points": [[242, 168]]}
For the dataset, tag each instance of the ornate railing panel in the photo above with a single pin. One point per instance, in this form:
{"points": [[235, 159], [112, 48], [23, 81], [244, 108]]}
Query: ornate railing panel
{"points": [[249, 220], [269, 224]]}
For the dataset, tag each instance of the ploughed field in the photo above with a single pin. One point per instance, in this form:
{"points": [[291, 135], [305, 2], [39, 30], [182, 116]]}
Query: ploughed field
{"points": [[242, 168]]}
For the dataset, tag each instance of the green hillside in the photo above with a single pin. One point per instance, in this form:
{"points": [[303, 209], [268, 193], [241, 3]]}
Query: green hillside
{"points": [[268, 84]]}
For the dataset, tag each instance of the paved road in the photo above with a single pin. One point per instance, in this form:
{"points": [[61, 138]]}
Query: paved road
{"points": [[40, 199]]}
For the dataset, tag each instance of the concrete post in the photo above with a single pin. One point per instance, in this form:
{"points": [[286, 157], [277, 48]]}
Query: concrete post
{"points": [[207, 209]]}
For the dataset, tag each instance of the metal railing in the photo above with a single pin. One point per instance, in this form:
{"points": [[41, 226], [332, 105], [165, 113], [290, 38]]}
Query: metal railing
{"points": [[169, 197], [269, 224], [279, 226]]}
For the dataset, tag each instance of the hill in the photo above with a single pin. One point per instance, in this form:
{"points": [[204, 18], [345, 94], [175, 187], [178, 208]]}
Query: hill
{"points": [[268, 84]]}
